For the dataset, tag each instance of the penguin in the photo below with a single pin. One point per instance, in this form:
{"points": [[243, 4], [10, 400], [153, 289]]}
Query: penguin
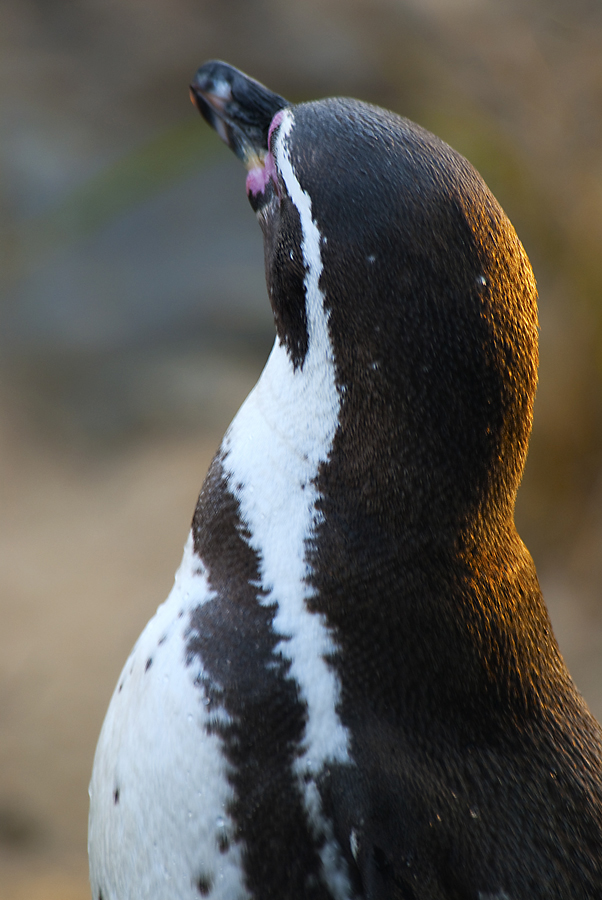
{"points": [[353, 691]]}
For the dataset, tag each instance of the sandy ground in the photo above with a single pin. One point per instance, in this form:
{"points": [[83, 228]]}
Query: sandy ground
{"points": [[88, 550], [87, 556]]}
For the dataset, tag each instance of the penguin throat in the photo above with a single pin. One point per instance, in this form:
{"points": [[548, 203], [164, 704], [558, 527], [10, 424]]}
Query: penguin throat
{"points": [[262, 168], [259, 176]]}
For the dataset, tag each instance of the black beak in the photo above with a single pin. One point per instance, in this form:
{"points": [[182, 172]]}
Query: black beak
{"points": [[238, 107]]}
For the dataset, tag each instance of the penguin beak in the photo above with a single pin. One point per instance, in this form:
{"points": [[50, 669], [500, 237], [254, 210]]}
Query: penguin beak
{"points": [[239, 108]]}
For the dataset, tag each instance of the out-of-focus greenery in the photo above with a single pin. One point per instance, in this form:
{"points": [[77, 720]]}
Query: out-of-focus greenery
{"points": [[174, 154]]}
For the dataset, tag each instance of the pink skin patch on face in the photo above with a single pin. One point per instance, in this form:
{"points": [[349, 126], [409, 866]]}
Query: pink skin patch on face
{"points": [[260, 175]]}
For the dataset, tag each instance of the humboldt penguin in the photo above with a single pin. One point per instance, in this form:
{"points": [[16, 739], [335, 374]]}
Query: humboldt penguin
{"points": [[353, 689]]}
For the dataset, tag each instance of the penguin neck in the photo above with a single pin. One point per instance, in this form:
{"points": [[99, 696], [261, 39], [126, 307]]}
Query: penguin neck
{"points": [[263, 482], [336, 533], [274, 449], [447, 601], [284, 431], [289, 418]]}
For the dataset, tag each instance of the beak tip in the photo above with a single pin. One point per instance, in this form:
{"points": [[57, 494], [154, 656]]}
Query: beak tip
{"points": [[239, 108]]}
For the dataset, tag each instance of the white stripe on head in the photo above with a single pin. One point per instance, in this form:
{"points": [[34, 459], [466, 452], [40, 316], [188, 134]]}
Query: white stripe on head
{"points": [[273, 450], [317, 318]]}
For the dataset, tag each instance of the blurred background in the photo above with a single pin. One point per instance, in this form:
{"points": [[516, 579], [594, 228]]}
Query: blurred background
{"points": [[134, 320]]}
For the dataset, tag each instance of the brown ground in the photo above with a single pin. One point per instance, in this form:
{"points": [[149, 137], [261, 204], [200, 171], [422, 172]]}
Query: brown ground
{"points": [[87, 557]]}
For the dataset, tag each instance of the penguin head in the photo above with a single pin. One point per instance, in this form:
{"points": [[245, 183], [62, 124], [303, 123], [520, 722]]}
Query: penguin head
{"points": [[430, 297]]}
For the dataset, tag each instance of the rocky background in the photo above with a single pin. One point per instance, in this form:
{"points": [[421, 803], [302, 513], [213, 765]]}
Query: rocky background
{"points": [[133, 321]]}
